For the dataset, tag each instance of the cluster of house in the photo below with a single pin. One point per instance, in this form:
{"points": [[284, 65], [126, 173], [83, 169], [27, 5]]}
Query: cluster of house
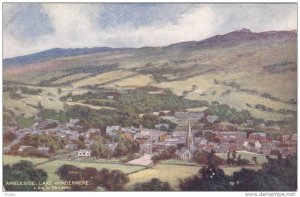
{"points": [[154, 141], [69, 132]]}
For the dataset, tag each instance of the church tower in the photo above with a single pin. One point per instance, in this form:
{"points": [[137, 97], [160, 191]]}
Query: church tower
{"points": [[189, 138]]}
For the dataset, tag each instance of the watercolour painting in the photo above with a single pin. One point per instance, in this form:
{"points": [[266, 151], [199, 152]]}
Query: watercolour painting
{"points": [[149, 97]]}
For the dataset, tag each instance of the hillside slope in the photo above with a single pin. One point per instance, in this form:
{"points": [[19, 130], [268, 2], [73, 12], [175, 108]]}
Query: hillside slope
{"points": [[241, 68]]}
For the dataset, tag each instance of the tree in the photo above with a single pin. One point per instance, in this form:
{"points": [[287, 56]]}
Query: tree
{"points": [[209, 178], [153, 185], [110, 180], [40, 106], [254, 159], [126, 146], [23, 171], [166, 154], [8, 137], [100, 149], [115, 181], [37, 140], [275, 175], [204, 157], [241, 162]]}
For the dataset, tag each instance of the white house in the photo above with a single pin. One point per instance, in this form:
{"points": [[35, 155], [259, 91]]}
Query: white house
{"points": [[43, 150], [258, 144], [84, 153]]}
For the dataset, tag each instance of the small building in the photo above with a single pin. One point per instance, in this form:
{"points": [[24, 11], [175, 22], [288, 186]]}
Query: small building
{"points": [[73, 123], [162, 127], [110, 97], [6, 149], [249, 123], [71, 147], [196, 115], [145, 133], [154, 136], [84, 153], [257, 144], [112, 146], [113, 131], [47, 124], [43, 150], [146, 148], [22, 148], [258, 136], [212, 118], [285, 138], [294, 137], [231, 136], [178, 134], [183, 154], [181, 115]]}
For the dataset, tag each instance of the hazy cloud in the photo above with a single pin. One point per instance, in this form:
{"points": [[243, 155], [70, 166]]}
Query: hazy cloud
{"points": [[29, 28]]}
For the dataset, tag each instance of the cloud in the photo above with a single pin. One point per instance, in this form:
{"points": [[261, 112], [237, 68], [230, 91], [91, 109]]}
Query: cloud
{"points": [[77, 25]]}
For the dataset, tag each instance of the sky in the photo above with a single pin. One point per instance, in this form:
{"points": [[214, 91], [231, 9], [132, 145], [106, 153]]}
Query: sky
{"points": [[34, 27]]}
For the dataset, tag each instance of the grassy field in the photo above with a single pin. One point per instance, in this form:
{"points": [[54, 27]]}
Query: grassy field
{"points": [[261, 159], [90, 106], [19, 108], [178, 162], [10, 159], [49, 98], [169, 173], [135, 81], [103, 78], [70, 78]]}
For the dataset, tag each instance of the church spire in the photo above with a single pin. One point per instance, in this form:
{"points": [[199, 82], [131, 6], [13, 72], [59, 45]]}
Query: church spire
{"points": [[189, 138]]}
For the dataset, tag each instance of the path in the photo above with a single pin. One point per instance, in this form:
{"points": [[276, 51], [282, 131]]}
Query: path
{"points": [[144, 160]]}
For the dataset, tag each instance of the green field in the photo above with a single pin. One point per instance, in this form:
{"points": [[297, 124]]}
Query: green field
{"points": [[261, 159], [10, 159], [164, 172]]}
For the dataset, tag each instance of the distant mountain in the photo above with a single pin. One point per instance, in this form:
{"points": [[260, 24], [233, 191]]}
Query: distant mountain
{"points": [[56, 53], [237, 37], [232, 38]]}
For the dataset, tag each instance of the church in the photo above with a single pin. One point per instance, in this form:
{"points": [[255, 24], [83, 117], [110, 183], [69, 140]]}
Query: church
{"points": [[186, 152]]}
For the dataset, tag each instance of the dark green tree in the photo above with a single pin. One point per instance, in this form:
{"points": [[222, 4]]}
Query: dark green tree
{"points": [[23, 171], [152, 185]]}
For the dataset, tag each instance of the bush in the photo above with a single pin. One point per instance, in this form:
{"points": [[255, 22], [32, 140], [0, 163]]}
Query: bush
{"points": [[153, 185]]}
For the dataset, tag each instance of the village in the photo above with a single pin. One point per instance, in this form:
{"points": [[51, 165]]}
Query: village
{"points": [[187, 139]]}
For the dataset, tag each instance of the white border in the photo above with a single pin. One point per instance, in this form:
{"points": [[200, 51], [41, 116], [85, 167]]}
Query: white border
{"points": [[138, 194]]}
